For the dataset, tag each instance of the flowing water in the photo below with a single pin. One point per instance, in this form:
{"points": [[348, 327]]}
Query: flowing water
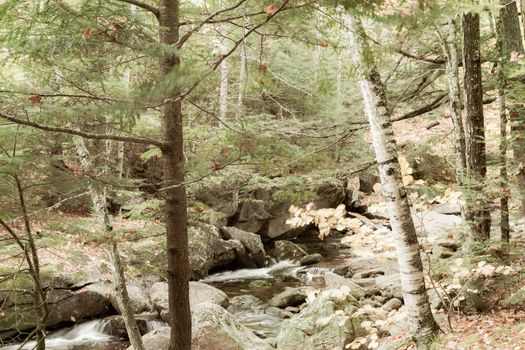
{"points": [[91, 335]]}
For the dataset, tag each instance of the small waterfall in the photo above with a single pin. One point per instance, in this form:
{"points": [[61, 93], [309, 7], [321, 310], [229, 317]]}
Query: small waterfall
{"points": [[151, 325], [251, 274], [82, 333], [314, 272]]}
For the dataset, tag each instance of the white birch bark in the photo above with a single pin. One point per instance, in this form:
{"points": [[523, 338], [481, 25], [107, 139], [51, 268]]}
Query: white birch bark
{"points": [[407, 246], [100, 212], [223, 92], [242, 75]]}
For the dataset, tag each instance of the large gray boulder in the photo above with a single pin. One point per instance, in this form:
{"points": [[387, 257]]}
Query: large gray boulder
{"points": [[327, 322], [138, 297], [390, 285], [252, 244], [333, 280], [64, 305], [199, 293], [214, 328]]}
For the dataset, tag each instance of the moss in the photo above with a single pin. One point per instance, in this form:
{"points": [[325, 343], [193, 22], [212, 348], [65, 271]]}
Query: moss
{"points": [[514, 299]]}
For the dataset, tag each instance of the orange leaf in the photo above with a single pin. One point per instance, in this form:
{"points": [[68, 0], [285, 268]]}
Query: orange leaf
{"points": [[270, 10], [324, 43], [86, 34], [35, 98]]}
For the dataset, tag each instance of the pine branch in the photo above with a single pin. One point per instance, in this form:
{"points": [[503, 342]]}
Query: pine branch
{"points": [[186, 36], [143, 6], [87, 135]]}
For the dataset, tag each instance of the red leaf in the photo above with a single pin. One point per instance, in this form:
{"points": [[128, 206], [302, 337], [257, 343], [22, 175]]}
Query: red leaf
{"points": [[86, 34], [35, 98], [270, 10]]}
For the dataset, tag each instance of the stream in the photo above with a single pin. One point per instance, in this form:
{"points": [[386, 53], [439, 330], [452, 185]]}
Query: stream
{"points": [[249, 304]]}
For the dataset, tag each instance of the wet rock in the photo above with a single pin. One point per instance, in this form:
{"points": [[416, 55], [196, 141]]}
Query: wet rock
{"points": [[290, 297], [392, 304], [138, 297], [199, 293], [340, 270], [333, 280], [252, 244], [311, 259], [259, 284], [325, 323], [117, 328], [287, 250], [213, 328]]}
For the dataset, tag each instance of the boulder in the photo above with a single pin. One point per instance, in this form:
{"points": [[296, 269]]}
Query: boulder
{"points": [[64, 305], [230, 252], [311, 259], [327, 322], [138, 297], [392, 304], [199, 293], [390, 285], [203, 239], [333, 280], [117, 328], [384, 262], [251, 215], [252, 244], [159, 339], [285, 250], [290, 297], [214, 328]]}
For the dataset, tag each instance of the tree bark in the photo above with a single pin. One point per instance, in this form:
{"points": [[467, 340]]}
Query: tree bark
{"points": [[242, 74], [407, 246], [455, 104], [477, 216], [223, 93], [100, 211], [501, 82], [512, 41], [175, 211]]}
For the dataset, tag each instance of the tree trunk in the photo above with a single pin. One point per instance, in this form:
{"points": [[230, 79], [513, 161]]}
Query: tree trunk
{"points": [[223, 93], [478, 216], [176, 212], [512, 41], [455, 103], [407, 246], [504, 200], [100, 211], [242, 74]]}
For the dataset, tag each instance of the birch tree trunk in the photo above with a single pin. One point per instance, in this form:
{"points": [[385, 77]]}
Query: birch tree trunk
{"points": [[242, 74], [407, 245], [504, 199], [176, 215], [100, 212], [223, 94], [478, 216]]}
